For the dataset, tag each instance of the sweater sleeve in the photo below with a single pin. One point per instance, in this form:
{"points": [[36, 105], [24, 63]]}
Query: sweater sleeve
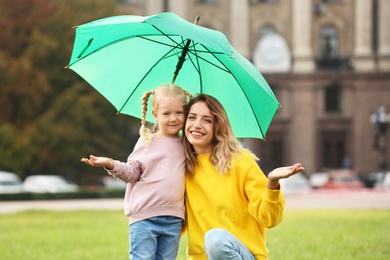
{"points": [[128, 172], [265, 205]]}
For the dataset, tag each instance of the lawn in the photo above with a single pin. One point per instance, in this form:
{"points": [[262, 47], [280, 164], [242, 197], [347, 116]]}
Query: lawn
{"points": [[311, 234]]}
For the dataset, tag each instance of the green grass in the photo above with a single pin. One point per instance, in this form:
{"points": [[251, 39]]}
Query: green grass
{"points": [[331, 234], [311, 234]]}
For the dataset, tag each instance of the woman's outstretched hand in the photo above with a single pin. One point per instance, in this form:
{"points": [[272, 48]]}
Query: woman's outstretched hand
{"points": [[282, 173], [99, 162]]}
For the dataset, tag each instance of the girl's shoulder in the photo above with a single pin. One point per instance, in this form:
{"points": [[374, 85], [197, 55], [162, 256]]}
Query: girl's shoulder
{"points": [[167, 142], [161, 138]]}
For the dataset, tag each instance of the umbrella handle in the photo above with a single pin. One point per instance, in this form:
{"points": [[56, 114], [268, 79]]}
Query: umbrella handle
{"points": [[183, 54]]}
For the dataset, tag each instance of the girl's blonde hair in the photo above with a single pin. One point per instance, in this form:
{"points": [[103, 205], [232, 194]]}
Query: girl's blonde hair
{"points": [[163, 93], [226, 148]]}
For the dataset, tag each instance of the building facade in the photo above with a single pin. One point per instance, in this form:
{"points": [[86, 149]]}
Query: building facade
{"points": [[328, 62]]}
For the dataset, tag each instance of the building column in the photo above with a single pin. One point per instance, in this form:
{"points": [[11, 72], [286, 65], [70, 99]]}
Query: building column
{"points": [[239, 26], [178, 7], [152, 7], [363, 36], [303, 125], [301, 30], [384, 35]]}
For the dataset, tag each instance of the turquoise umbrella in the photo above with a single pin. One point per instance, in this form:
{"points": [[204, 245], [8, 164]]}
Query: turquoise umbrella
{"points": [[124, 56]]}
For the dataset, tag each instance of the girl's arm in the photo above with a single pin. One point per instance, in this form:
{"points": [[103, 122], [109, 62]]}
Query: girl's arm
{"points": [[128, 172]]}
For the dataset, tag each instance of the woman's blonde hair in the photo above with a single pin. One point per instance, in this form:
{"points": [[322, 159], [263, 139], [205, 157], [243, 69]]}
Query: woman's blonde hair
{"points": [[225, 145], [163, 93]]}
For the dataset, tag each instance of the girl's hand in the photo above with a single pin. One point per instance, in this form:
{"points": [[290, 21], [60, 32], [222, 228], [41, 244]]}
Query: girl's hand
{"points": [[99, 162], [282, 173]]}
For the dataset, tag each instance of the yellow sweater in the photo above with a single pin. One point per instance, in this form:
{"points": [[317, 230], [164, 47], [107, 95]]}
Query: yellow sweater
{"points": [[238, 201]]}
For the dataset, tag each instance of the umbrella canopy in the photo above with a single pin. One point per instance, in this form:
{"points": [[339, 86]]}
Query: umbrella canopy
{"points": [[124, 56]]}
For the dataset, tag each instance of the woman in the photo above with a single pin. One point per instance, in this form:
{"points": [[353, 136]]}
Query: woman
{"points": [[229, 201]]}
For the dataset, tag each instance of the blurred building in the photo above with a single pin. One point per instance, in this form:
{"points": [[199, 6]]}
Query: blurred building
{"points": [[328, 62]]}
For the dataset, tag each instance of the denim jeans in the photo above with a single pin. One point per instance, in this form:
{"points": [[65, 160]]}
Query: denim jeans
{"points": [[221, 245], [156, 238]]}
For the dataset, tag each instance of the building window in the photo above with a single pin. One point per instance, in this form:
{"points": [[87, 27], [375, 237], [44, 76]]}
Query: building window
{"points": [[333, 99], [329, 42], [328, 57]]}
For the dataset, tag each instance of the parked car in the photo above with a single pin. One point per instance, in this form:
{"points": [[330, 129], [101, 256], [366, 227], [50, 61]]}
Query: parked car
{"points": [[343, 179], [386, 181], [379, 179], [106, 182], [374, 179], [318, 179], [48, 184], [295, 184], [10, 183], [110, 182]]}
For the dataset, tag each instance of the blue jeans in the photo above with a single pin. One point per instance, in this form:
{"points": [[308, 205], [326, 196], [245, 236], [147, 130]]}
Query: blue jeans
{"points": [[156, 238], [221, 245]]}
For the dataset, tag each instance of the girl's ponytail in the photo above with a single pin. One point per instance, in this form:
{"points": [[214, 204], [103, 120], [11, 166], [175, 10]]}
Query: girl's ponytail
{"points": [[144, 132]]}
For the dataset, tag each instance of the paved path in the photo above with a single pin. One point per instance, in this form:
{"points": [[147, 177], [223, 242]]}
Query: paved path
{"points": [[59, 205], [317, 199], [336, 199]]}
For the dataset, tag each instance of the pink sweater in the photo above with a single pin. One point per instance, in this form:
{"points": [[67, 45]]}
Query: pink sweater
{"points": [[155, 177]]}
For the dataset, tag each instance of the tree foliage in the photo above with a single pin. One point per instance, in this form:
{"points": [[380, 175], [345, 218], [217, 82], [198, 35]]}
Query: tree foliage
{"points": [[49, 116]]}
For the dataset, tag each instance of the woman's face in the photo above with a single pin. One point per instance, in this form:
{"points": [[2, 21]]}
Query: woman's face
{"points": [[199, 128]]}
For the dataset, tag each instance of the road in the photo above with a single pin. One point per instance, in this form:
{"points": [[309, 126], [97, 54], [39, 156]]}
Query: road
{"points": [[317, 199]]}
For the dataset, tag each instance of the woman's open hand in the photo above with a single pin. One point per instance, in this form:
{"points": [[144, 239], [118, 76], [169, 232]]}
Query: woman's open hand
{"points": [[282, 173]]}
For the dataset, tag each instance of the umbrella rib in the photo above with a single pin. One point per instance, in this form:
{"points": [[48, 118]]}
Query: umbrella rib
{"points": [[224, 68], [174, 46], [151, 68], [169, 37], [178, 44], [194, 52], [197, 65], [209, 62], [190, 50]]}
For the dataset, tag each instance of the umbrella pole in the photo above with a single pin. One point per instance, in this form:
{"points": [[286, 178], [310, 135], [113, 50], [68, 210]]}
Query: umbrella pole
{"points": [[183, 55]]}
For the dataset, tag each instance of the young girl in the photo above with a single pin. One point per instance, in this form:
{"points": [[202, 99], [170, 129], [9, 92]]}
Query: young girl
{"points": [[229, 201], [154, 173]]}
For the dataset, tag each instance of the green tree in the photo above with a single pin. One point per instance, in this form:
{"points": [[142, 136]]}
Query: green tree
{"points": [[49, 116]]}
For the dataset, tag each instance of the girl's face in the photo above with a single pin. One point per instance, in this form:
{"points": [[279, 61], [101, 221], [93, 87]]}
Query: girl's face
{"points": [[170, 117], [199, 128]]}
